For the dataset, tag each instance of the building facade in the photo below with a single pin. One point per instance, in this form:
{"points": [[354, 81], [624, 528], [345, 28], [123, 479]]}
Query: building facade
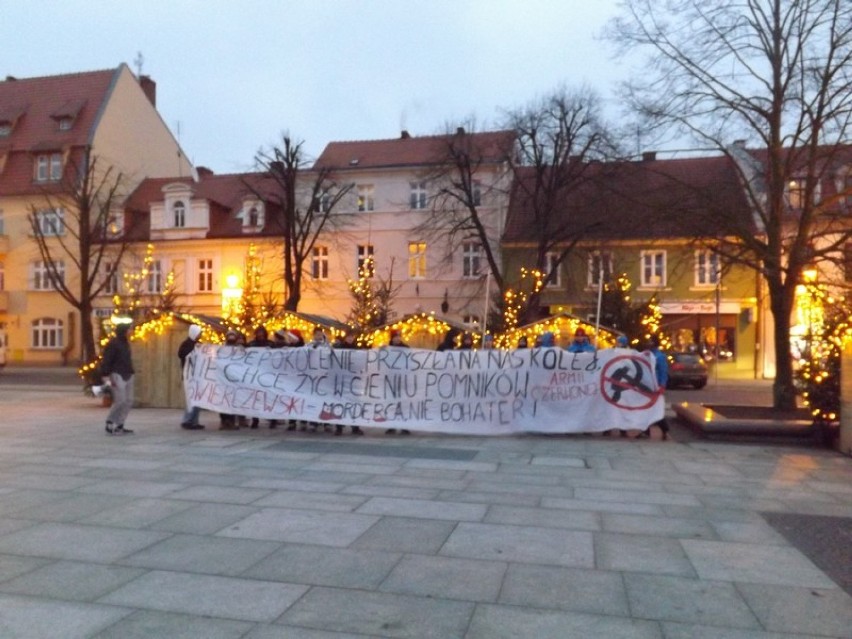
{"points": [[50, 129]]}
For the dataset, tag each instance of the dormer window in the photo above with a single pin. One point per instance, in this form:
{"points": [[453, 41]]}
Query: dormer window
{"points": [[252, 215], [65, 124], [48, 167], [179, 214], [5, 129]]}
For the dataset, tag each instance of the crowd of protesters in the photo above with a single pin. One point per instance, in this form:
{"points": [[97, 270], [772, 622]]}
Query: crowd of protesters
{"points": [[454, 339]]}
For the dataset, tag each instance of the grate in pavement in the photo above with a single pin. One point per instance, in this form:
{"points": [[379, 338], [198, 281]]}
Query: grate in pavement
{"points": [[826, 541], [376, 450]]}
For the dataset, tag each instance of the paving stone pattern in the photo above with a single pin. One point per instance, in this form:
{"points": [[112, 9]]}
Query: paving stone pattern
{"points": [[263, 534]]}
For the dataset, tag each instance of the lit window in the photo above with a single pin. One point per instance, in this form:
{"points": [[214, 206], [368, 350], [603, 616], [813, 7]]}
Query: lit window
{"points": [[847, 263], [470, 320], [552, 270], [365, 197], [50, 222], [47, 333], [154, 280], [205, 276], [111, 277], [48, 167], [706, 268], [653, 268], [41, 278], [179, 215], [471, 260], [599, 261], [366, 261], [416, 260], [418, 195], [319, 263]]}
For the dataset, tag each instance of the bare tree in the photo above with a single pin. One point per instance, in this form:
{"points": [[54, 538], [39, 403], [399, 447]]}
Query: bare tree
{"points": [[552, 145], [301, 205], [776, 74], [78, 223]]}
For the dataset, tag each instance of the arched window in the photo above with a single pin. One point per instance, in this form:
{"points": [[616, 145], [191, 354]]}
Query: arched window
{"points": [[179, 212], [253, 216], [47, 333]]}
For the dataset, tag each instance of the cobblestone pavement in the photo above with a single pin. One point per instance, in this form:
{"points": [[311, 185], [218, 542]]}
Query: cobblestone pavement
{"points": [[264, 534]]}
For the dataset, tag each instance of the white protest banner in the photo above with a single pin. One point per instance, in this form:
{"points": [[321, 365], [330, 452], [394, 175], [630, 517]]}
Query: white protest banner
{"points": [[484, 392]]}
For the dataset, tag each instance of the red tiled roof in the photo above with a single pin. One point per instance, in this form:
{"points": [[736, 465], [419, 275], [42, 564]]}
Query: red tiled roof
{"points": [[491, 146], [34, 105], [652, 199]]}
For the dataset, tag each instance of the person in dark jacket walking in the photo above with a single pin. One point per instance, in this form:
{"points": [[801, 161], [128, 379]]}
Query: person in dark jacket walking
{"points": [[190, 416], [117, 371]]}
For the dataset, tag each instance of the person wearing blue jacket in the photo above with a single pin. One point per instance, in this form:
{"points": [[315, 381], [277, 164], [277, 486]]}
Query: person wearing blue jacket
{"points": [[661, 370], [581, 342]]}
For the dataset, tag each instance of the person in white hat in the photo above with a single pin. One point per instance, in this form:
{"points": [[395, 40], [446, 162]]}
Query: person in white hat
{"points": [[190, 417]]}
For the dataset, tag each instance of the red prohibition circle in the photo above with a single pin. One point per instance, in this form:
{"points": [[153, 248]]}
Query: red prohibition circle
{"points": [[606, 379]]}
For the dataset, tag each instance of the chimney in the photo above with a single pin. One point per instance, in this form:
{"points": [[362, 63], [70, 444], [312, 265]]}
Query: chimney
{"points": [[649, 156], [203, 171], [404, 135], [460, 130], [149, 87], [10, 78], [740, 144]]}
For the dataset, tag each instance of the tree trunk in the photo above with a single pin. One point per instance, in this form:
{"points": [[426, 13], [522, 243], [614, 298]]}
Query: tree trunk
{"points": [[783, 389]]}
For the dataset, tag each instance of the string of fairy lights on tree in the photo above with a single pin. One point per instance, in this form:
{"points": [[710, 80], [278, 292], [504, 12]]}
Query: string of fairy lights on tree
{"points": [[818, 372], [515, 301]]}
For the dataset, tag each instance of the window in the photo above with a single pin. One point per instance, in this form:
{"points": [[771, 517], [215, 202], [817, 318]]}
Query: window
{"points": [[205, 276], [2, 224], [253, 216], [416, 260], [366, 261], [51, 222], [41, 278], [154, 281], [2, 277], [706, 268], [847, 263], [470, 320], [319, 263], [796, 192], [48, 167], [47, 333], [476, 193], [471, 260], [653, 268], [111, 278], [418, 195], [65, 124], [552, 268], [5, 129], [365, 197], [599, 261], [179, 214], [325, 200]]}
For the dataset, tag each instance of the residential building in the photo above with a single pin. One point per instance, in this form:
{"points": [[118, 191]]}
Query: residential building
{"points": [[653, 220], [392, 215], [50, 127]]}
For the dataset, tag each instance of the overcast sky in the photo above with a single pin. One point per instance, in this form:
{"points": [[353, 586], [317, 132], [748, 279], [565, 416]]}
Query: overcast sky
{"points": [[232, 76]]}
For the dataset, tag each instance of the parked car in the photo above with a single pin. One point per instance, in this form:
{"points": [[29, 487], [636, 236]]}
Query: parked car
{"points": [[687, 369]]}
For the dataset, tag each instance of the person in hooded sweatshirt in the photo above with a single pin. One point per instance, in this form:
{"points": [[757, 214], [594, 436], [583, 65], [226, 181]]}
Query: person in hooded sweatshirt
{"points": [[581, 343], [190, 417], [117, 371]]}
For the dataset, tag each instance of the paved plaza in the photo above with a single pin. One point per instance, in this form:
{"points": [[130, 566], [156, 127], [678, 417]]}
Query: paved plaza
{"points": [[262, 534]]}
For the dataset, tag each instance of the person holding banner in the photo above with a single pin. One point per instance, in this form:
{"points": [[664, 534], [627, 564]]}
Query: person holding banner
{"points": [[261, 340], [396, 341], [581, 342], [661, 370], [449, 341], [226, 420], [349, 341], [190, 417]]}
